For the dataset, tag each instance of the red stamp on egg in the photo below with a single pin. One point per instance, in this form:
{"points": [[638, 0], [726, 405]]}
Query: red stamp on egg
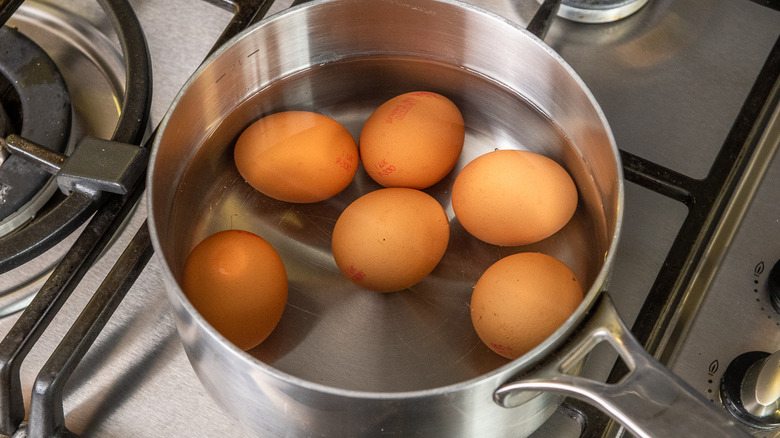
{"points": [[355, 274], [501, 349], [346, 161], [400, 110], [385, 168]]}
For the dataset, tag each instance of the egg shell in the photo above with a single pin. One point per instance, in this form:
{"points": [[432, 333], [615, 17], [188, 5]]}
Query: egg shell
{"points": [[390, 239], [412, 140], [237, 282], [520, 300], [513, 197], [297, 156]]}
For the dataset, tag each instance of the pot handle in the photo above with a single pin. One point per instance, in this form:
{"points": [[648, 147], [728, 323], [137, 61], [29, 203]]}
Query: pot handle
{"points": [[650, 401]]}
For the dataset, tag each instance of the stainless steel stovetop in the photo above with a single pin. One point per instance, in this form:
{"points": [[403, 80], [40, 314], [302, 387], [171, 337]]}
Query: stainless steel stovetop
{"points": [[671, 79]]}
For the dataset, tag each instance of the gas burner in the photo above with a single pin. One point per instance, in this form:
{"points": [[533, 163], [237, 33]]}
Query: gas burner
{"points": [[598, 11], [93, 71], [36, 106]]}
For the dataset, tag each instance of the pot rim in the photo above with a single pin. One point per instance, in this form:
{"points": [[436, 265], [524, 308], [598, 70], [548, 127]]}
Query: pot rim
{"points": [[512, 368]]}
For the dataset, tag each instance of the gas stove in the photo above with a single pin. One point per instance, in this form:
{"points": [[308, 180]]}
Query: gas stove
{"points": [[690, 89]]}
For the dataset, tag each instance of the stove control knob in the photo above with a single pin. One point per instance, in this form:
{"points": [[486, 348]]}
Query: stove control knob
{"points": [[773, 283], [767, 377], [750, 389]]}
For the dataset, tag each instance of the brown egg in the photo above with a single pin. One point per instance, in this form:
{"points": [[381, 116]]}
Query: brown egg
{"points": [[512, 197], [297, 156], [237, 282], [390, 239], [521, 300], [412, 140]]}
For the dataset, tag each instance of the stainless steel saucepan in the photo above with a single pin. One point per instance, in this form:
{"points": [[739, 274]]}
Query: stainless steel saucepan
{"points": [[346, 362]]}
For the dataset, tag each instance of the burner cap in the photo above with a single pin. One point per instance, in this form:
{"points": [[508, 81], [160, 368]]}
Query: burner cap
{"points": [[36, 104], [5, 129], [598, 11]]}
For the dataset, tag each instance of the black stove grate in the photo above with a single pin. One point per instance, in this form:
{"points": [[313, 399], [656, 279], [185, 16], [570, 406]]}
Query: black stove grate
{"points": [[109, 212]]}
